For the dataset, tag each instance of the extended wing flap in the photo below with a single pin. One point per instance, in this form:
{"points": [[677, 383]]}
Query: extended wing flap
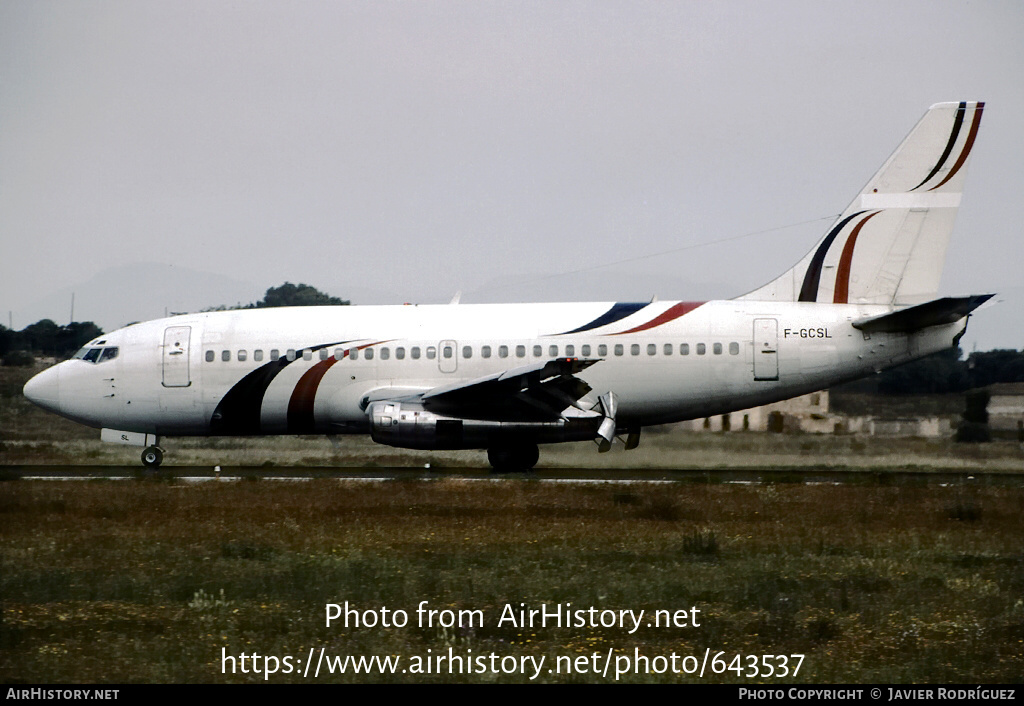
{"points": [[947, 310], [537, 391]]}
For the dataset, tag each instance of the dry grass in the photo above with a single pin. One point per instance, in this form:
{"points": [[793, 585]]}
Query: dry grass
{"points": [[122, 581]]}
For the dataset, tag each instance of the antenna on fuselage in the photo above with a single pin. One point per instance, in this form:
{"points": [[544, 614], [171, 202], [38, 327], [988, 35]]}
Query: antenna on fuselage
{"points": [[456, 298]]}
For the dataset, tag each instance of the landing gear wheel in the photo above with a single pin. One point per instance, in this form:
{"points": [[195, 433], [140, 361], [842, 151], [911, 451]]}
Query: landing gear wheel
{"points": [[152, 457], [517, 458]]}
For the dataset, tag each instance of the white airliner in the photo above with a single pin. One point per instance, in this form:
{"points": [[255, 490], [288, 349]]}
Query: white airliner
{"points": [[507, 377]]}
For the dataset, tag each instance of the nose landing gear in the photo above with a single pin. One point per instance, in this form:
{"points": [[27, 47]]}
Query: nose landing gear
{"points": [[152, 457]]}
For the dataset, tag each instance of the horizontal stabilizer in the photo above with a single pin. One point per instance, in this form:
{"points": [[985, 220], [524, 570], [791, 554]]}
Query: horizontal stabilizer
{"points": [[947, 310]]}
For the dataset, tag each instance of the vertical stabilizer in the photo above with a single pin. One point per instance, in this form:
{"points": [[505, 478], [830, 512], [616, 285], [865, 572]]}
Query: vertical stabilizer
{"points": [[889, 245]]}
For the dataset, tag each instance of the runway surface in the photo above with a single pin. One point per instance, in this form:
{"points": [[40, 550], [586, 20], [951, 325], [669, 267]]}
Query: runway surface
{"points": [[560, 475]]}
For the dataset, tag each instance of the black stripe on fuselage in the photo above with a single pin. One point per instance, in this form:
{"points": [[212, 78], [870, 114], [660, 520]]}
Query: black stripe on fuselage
{"points": [[238, 412], [616, 313]]}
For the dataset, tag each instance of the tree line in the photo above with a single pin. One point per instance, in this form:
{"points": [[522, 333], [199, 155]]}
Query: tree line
{"points": [[45, 338], [289, 294], [946, 372], [48, 339]]}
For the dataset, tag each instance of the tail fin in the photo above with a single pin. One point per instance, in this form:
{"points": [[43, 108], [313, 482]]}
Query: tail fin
{"points": [[889, 245]]}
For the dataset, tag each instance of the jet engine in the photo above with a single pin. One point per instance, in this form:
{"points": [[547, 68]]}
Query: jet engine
{"points": [[407, 424]]}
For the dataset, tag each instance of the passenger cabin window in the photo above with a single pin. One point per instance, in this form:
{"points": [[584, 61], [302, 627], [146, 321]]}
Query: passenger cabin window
{"points": [[324, 355], [307, 354], [431, 352], [520, 351], [485, 352], [290, 354], [385, 353], [585, 350], [400, 353], [652, 349], [368, 354], [570, 351], [257, 355], [553, 351], [448, 352], [634, 349], [602, 349], [701, 349], [242, 356], [734, 348], [467, 351], [668, 349], [503, 351], [538, 351], [684, 349], [415, 352], [353, 353], [225, 356], [210, 355], [717, 348], [618, 349], [275, 354]]}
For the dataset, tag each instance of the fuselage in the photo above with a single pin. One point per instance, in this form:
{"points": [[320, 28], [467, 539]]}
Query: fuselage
{"points": [[303, 370]]}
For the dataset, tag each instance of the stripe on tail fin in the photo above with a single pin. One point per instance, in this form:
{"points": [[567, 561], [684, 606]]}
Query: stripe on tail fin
{"points": [[889, 245]]}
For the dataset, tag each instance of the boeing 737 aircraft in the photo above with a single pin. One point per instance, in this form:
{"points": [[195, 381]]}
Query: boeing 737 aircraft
{"points": [[507, 377]]}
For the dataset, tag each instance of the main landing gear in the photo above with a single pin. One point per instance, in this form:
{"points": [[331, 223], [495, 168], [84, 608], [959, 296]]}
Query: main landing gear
{"points": [[513, 458], [152, 457]]}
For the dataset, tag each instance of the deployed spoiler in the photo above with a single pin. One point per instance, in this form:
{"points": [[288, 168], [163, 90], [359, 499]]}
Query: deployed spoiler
{"points": [[934, 313]]}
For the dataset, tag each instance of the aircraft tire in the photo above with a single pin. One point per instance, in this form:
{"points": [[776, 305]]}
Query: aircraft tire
{"points": [[152, 457], [516, 458]]}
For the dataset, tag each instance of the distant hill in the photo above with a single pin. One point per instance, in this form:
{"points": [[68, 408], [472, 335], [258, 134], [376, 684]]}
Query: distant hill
{"points": [[120, 295]]}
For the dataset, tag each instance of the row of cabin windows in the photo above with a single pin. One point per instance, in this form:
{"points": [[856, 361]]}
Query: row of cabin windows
{"points": [[447, 351]]}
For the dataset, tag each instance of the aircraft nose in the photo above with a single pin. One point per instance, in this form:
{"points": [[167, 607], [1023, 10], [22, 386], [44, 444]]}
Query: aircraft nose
{"points": [[44, 389]]}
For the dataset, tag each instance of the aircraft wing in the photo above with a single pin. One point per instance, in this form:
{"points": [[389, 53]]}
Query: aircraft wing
{"points": [[539, 391]]}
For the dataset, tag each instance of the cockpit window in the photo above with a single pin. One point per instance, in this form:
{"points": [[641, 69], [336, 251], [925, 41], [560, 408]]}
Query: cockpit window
{"points": [[96, 355]]}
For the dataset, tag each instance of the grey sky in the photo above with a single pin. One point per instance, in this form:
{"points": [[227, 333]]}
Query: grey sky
{"points": [[392, 152]]}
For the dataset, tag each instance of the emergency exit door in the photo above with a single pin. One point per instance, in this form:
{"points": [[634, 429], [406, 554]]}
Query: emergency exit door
{"points": [[766, 349]]}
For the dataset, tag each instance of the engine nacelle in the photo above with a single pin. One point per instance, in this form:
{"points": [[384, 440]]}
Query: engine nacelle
{"points": [[409, 425]]}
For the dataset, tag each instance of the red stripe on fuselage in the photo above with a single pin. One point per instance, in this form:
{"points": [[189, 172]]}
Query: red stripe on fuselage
{"points": [[670, 314], [300, 406]]}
